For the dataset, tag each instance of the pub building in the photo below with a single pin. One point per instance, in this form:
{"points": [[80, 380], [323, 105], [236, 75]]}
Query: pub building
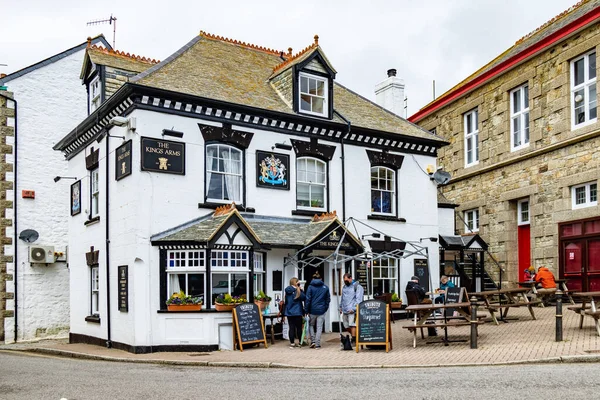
{"points": [[223, 169]]}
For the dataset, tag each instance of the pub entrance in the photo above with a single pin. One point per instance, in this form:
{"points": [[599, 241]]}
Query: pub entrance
{"points": [[580, 254]]}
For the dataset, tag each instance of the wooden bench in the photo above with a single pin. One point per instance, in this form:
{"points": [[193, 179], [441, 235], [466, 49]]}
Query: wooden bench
{"points": [[445, 325]]}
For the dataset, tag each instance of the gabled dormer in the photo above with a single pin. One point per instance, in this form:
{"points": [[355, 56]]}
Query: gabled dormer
{"points": [[305, 81], [104, 71]]}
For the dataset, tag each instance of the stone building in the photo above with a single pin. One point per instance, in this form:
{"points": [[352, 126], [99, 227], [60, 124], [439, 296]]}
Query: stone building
{"points": [[523, 154]]}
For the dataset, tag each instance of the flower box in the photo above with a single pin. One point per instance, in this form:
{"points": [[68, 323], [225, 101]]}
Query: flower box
{"points": [[396, 305], [184, 307], [262, 304], [224, 307]]}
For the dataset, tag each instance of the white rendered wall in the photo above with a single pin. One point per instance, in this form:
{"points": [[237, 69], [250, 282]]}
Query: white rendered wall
{"points": [[446, 218], [146, 203], [51, 101]]}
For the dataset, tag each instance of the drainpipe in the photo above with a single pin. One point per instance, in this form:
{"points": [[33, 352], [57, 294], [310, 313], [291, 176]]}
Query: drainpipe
{"points": [[343, 165], [15, 277], [106, 158]]}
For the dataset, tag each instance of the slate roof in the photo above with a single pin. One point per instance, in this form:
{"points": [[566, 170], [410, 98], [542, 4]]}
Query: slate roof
{"points": [[235, 72], [54, 58], [117, 59]]}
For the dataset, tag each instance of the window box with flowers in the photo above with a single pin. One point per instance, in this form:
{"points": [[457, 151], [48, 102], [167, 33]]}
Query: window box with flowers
{"points": [[396, 302], [181, 302], [262, 300], [226, 302]]}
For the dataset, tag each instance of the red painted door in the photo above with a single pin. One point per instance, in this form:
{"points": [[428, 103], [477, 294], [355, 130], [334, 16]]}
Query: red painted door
{"points": [[593, 264], [573, 261], [524, 248]]}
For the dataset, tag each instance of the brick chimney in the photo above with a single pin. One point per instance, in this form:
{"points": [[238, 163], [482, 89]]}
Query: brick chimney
{"points": [[390, 93]]}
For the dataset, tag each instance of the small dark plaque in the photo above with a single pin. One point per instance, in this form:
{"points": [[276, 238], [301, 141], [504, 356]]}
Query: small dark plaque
{"points": [[373, 323], [277, 280], [453, 295], [422, 271], [123, 288], [163, 156], [272, 170], [123, 161], [248, 324], [362, 276]]}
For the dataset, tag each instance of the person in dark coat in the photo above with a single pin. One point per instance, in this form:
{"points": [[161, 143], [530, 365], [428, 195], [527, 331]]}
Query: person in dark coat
{"points": [[294, 296], [413, 285], [316, 305]]}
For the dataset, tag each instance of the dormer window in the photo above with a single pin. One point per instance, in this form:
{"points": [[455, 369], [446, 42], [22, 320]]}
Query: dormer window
{"points": [[94, 94], [313, 94]]}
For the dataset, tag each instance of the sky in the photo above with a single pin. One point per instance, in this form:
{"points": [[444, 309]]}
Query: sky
{"points": [[425, 40]]}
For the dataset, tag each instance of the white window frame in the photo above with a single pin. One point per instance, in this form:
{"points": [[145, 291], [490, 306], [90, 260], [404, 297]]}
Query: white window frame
{"points": [[218, 148], [522, 116], [471, 137], [311, 184], [588, 188], [325, 96], [95, 93], [523, 208], [393, 191], [95, 193], [471, 216], [95, 290], [391, 265], [259, 272], [585, 85], [185, 262], [240, 265]]}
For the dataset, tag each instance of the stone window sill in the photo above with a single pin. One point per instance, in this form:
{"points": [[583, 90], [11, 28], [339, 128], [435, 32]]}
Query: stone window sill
{"points": [[307, 213], [93, 318], [385, 218], [92, 221]]}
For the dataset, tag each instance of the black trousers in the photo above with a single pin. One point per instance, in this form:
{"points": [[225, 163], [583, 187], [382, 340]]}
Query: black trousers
{"points": [[295, 323]]}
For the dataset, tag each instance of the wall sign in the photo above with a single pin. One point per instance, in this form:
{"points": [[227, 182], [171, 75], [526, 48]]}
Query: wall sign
{"points": [[123, 161], [76, 198], [331, 242], [123, 288], [272, 170], [163, 156], [362, 275]]}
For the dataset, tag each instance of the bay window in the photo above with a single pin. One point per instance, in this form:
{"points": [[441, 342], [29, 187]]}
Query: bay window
{"points": [[229, 273], [186, 270], [259, 272]]}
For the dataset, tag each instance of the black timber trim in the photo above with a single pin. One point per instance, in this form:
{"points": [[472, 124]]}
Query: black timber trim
{"points": [[239, 207], [241, 225], [445, 205], [80, 338], [102, 72], [226, 134], [92, 221], [92, 160], [169, 132], [385, 159], [377, 217], [306, 213], [162, 265], [130, 95], [317, 55], [386, 245], [93, 318], [313, 149]]}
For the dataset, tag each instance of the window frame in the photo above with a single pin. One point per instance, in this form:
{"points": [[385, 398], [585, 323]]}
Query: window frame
{"points": [[520, 219], [588, 191], [259, 272], [467, 219], [185, 256], [325, 96], [472, 136], [521, 115], [95, 100], [95, 192], [218, 146], [585, 85], [394, 190], [325, 184], [95, 290], [380, 267]]}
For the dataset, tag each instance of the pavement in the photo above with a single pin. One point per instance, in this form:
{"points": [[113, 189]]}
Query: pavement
{"points": [[519, 341]]}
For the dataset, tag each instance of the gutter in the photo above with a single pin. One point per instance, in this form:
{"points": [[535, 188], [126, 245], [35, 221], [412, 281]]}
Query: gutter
{"points": [[16, 276], [343, 165]]}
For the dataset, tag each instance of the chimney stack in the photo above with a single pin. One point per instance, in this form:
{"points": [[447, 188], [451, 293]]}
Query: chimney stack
{"points": [[390, 93]]}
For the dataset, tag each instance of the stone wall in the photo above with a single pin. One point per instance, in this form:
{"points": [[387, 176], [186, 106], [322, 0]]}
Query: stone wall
{"points": [[557, 157], [7, 114]]}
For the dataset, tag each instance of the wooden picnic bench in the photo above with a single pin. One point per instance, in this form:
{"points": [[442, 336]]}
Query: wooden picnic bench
{"points": [[544, 294], [588, 308], [507, 298]]}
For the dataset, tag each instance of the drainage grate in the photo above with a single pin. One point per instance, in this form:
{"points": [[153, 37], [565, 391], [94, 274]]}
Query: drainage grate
{"points": [[198, 354]]}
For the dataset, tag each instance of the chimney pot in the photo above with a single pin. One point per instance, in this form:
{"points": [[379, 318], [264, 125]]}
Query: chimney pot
{"points": [[391, 72]]}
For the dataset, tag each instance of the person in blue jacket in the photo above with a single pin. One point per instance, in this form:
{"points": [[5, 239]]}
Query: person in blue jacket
{"points": [[315, 306], [294, 296]]}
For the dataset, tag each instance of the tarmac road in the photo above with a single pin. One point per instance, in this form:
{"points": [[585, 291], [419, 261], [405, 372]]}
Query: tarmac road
{"points": [[24, 376]]}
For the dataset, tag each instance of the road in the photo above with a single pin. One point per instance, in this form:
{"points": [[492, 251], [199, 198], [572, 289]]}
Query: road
{"points": [[25, 376]]}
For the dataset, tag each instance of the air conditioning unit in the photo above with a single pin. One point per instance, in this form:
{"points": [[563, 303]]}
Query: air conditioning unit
{"points": [[41, 254]]}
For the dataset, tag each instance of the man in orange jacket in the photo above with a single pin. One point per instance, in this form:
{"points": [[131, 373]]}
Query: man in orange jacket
{"points": [[545, 278]]}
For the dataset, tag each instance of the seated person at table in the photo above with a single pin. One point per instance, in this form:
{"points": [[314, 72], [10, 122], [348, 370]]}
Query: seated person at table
{"points": [[530, 273], [445, 283], [545, 279], [413, 285]]}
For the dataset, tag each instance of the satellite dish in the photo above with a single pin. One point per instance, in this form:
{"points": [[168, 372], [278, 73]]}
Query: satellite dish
{"points": [[441, 177], [29, 235]]}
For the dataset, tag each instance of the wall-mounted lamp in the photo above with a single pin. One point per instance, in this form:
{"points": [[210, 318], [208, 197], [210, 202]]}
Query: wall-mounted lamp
{"points": [[373, 235], [282, 146], [123, 121], [58, 178], [171, 132], [433, 239]]}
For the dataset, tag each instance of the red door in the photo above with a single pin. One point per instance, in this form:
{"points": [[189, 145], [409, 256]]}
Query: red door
{"points": [[524, 248], [573, 262], [593, 264]]}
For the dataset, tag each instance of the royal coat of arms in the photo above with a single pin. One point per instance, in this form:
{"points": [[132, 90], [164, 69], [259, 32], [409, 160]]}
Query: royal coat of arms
{"points": [[272, 170]]}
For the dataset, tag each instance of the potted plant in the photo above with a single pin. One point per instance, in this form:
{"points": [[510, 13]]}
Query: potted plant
{"points": [[181, 302], [226, 302], [396, 301], [262, 300]]}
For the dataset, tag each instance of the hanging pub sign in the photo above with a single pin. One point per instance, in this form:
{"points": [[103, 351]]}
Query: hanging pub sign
{"points": [[123, 288], [76, 198], [123, 161], [272, 170], [163, 156]]}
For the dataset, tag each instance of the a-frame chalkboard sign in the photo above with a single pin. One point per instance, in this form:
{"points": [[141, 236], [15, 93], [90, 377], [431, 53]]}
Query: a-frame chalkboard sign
{"points": [[248, 325], [373, 324]]}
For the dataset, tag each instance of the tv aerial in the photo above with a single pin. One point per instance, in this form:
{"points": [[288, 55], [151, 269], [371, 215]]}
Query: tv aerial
{"points": [[441, 177], [29, 235], [111, 21]]}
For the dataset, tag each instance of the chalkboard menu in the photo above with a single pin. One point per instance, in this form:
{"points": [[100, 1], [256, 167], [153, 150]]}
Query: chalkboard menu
{"points": [[422, 271], [373, 324], [362, 275], [248, 325], [123, 289], [453, 295]]}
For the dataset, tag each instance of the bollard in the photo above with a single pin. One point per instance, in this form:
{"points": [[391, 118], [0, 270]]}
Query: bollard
{"points": [[473, 322], [559, 326]]}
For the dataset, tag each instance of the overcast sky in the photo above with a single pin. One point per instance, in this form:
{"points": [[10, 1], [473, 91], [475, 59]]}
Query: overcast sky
{"points": [[445, 40]]}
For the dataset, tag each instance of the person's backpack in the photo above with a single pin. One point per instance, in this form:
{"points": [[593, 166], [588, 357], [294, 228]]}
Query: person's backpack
{"points": [[346, 342]]}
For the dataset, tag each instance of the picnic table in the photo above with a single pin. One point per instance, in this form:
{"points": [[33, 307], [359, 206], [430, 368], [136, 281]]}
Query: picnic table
{"points": [[507, 298], [544, 294], [423, 319], [588, 307]]}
